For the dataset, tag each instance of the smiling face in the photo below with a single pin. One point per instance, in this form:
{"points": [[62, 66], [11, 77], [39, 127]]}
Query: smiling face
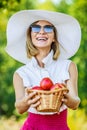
{"points": [[42, 38], [42, 35]]}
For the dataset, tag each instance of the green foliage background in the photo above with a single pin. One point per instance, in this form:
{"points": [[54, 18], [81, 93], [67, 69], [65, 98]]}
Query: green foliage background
{"points": [[76, 8]]}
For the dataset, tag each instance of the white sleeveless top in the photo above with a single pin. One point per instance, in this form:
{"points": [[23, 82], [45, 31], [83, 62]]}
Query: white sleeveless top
{"points": [[32, 73]]}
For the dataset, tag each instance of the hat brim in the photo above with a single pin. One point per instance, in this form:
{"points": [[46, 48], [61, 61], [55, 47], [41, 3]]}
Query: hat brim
{"points": [[68, 28]]}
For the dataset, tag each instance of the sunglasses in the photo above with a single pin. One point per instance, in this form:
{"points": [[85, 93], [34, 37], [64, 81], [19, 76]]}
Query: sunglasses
{"points": [[37, 28]]}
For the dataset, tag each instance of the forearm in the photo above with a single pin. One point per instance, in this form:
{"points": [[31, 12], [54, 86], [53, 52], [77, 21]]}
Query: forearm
{"points": [[24, 104], [73, 103], [21, 106]]}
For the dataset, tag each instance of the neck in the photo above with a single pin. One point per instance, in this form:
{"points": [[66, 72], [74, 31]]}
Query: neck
{"points": [[42, 54]]}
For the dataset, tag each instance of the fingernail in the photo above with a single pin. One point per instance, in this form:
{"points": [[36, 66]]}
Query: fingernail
{"points": [[38, 97], [65, 93], [62, 99], [34, 92], [39, 102]]}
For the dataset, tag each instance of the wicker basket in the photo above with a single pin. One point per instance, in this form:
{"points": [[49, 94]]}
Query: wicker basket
{"points": [[50, 100]]}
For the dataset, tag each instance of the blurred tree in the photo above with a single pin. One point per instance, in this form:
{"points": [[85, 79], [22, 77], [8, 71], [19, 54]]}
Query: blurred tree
{"points": [[62, 6], [45, 5]]}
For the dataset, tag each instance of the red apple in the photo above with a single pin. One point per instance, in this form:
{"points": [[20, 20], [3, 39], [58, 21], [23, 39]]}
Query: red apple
{"points": [[56, 86], [37, 88], [46, 83], [61, 85]]}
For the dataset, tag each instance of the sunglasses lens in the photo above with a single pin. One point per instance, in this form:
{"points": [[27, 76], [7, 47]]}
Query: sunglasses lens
{"points": [[35, 28], [48, 28]]}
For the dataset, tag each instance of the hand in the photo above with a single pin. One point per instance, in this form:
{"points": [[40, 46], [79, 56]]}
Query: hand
{"points": [[23, 104], [32, 100], [66, 99], [70, 101]]}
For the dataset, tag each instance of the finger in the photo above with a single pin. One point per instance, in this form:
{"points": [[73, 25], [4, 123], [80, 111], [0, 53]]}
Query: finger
{"points": [[27, 89], [30, 95], [65, 95], [64, 100], [36, 104], [33, 100], [58, 112]]}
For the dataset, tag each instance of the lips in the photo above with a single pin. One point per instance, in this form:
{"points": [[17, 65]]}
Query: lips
{"points": [[42, 38]]}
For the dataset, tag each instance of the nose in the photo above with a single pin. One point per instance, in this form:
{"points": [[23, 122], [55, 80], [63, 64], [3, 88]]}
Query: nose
{"points": [[42, 30]]}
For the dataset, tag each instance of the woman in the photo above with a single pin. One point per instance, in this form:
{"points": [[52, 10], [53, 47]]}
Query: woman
{"points": [[52, 38]]}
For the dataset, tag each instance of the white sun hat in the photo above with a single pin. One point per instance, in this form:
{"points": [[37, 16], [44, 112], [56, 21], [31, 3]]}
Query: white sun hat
{"points": [[68, 28]]}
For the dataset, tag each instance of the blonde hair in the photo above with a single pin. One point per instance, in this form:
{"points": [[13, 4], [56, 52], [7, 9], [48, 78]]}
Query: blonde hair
{"points": [[33, 51]]}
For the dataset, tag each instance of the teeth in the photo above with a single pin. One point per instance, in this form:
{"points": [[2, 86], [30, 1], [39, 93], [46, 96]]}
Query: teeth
{"points": [[42, 39]]}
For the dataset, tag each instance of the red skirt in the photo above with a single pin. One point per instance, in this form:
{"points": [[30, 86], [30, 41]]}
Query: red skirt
{"points": [[46, 122]]}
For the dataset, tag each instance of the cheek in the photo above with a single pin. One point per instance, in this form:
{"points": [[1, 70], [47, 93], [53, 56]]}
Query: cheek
{"points": [[52, 38], [32, 37]]}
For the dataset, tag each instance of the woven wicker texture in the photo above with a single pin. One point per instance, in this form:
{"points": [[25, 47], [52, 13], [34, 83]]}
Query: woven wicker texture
{"points": [[50, 100]]}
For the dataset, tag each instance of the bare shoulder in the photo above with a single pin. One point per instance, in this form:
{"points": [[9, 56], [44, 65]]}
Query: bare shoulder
{"points": [[16, 76], [17, 80], [73, 69], [73, 66]]}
